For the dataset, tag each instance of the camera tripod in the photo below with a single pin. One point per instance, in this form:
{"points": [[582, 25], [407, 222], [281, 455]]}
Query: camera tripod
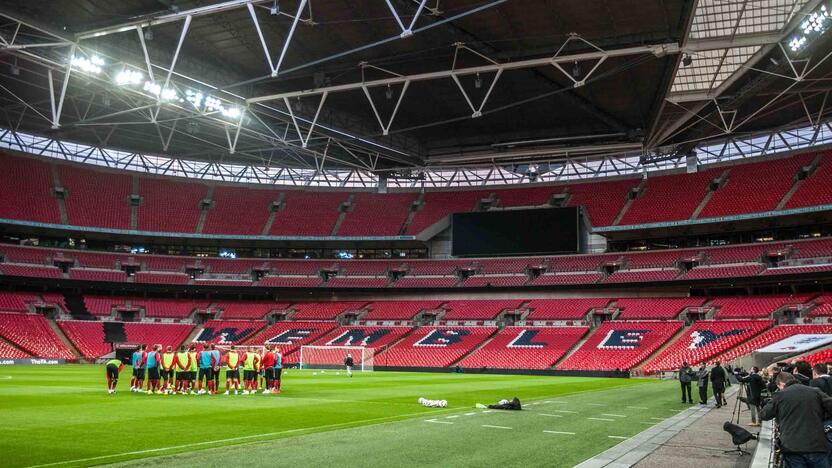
{"points": [[735, 414]]}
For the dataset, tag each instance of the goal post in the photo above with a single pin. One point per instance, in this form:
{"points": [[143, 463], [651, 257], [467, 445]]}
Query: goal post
{"points": [[332, 357]]}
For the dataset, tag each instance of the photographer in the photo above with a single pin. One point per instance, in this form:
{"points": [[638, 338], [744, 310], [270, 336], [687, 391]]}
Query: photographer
{"points": [[800, 411], [686, 374], [754, 384]]}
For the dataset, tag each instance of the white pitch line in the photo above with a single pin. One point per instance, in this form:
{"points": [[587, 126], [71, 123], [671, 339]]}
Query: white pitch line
{"points": [[559, 432], [614, 415], [657, 419], [564, 411], [470, 414], [495, 427], [601, 419], [452, 417], [617, 437], [551, 415], [437, 422]]}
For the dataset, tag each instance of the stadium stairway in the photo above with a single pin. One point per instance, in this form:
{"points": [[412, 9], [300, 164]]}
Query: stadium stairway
{"points": [[416, 206], [574, 348], [76, 307], [4, 343], [475, 348], [56, 178], [797, 183], [67, 342], [114, 332], [640, 366]]}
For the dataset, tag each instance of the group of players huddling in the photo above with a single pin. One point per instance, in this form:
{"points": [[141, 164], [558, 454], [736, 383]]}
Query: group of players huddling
{"points": [[185, 371]]}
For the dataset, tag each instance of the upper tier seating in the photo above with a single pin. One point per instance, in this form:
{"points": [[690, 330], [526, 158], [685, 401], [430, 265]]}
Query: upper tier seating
{"points": [[620, 345], [655, 308], [722, 271], [228, 332], [753, 307], [704, 340], [532, 196], [670, 197], [38, 271], [642, 276], [771, 336], [491, 266], [478, 309], [239, 210], [398, 310], [563, 309], [613, 194], [815, 190], [323, 310], [358, 282], [154, 277], [549, 279], [525, 348], [290, 281], [438, 205], [658, 258], [87, 336], [815, 248], [484, 281], [307, 213], [377, 214], [165, 334], [248, 309], [102, 305], [824, 308], [96, 198], [25, 190], [290, 336], [434, 346], [747, 192], [426, 282], [168, 205], [32, 334], [94, 274]]}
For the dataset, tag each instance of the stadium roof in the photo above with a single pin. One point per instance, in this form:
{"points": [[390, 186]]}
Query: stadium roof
{"points": [[407, 84]]}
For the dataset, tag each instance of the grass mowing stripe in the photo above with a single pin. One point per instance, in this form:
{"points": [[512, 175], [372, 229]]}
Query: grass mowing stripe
{"points": [[495, 427], [601, 419]]}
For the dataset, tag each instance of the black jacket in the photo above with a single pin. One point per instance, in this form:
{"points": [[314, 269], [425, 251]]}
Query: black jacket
{"points": [[824, 384], [755, 386], [800, 411], [718, 375], [686, 374]]}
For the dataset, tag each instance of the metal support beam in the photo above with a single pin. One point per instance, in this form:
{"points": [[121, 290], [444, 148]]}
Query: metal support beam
{"points": [[288, 38], [657, 49]]}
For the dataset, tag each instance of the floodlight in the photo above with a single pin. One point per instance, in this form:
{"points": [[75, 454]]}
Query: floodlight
{"points": [[576, 71], [128, 77], [275, 9], [478, 82], [168, 94], [388, 93], [88, 65], [231, 112], [815, 25]]}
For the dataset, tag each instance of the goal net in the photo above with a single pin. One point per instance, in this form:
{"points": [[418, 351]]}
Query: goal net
{"points": [[332, 357]]}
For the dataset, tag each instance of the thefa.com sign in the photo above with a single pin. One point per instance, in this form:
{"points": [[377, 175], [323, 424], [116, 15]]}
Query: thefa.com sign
{"points": [[35, 362]]}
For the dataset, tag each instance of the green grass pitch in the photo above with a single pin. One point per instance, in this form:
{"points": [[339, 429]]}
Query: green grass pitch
{"points": [[63, 416]]}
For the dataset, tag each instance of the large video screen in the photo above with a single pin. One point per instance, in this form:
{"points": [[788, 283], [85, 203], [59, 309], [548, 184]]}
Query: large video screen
{"points": [[515, 232]]}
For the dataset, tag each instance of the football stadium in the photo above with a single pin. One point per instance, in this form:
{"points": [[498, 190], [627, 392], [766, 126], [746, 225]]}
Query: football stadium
{"points": [[416, 233]]}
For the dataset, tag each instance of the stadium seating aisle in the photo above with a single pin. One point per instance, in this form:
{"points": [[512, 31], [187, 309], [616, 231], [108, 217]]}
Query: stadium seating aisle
{"points": [[434, 346], [32, 334], [704, 340], [814, 190], [620, 345], [525, 348]]}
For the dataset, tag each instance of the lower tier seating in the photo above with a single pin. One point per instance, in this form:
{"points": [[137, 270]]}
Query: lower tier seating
{"points": [[771, 336], [525, 348], [242, 310], [753, 307], [323, 310], [165, 334], [290, 336], [563, 309], [398, 310], [32, 334], [434, 346], [620, 345], [478, 309], [705, 340], [87, 336], [10, 352], [228, 332], [654, 308]]}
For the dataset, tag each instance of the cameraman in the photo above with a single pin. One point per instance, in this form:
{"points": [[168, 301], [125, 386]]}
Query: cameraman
{"points": [[754, 384], [800, 411]]}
